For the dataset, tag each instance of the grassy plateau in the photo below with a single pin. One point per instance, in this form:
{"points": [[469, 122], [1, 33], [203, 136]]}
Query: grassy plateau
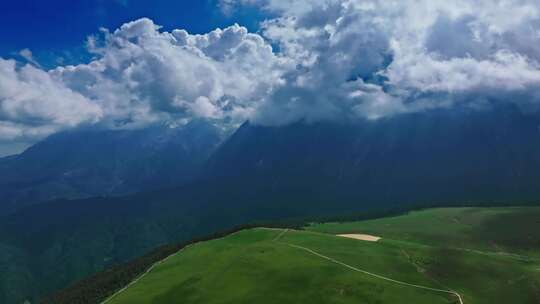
{"points": [[484, 255]]}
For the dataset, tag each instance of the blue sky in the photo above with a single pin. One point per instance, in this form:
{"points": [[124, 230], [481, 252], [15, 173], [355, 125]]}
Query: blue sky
{"points": [[55, 30], [310, 60]]}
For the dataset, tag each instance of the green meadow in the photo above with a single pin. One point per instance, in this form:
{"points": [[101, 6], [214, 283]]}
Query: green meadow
{"points": [[461, 250], [511, 229]]}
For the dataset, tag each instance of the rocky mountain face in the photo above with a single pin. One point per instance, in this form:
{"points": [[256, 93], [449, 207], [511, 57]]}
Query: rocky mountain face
{"points": [[437, 156], [107, 162]]}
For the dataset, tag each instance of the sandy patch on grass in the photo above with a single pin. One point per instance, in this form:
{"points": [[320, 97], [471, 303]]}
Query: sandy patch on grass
{"points": [[361, 237]]}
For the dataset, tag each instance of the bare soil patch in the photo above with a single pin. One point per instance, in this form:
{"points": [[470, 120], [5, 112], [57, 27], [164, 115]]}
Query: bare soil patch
{"points": [[361, 237]]}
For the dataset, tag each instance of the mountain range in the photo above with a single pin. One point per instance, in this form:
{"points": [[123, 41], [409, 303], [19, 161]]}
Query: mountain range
{"points": [[82, 164], [445, 155], [105, 197]]}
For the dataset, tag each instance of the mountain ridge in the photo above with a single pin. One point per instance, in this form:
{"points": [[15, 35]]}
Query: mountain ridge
{"points": [[84, 164]]}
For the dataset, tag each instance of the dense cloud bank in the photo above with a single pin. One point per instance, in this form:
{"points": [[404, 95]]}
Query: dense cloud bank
{"points": [[141, 75], [373, 58], [314, 60]]}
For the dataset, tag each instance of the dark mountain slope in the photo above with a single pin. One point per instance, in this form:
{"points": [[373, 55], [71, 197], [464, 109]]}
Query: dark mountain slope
{"points": [[439, 156], [95, 163]]}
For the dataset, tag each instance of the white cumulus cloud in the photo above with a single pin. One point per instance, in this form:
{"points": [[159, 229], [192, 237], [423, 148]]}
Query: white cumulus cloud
{"points": [[33, 104], [376, 58], [142, 75], [311, 60]]}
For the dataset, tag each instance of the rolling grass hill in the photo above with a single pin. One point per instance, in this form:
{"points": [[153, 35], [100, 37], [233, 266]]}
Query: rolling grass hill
{"points": [[510, 229], [484, 255]]}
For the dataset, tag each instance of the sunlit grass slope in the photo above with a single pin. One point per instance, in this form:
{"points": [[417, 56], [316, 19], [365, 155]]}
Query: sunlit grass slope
{"points": [[264, 266], [512, 229]]}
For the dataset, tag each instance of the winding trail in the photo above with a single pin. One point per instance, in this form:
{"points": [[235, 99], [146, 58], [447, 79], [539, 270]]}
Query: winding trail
{"points": [[277, 240], [140, 277], [503, 254], [451, 292], [152, 267]]}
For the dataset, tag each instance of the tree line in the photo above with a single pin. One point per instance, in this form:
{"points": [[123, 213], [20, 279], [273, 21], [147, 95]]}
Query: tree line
{"points": [[100, 286]]}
